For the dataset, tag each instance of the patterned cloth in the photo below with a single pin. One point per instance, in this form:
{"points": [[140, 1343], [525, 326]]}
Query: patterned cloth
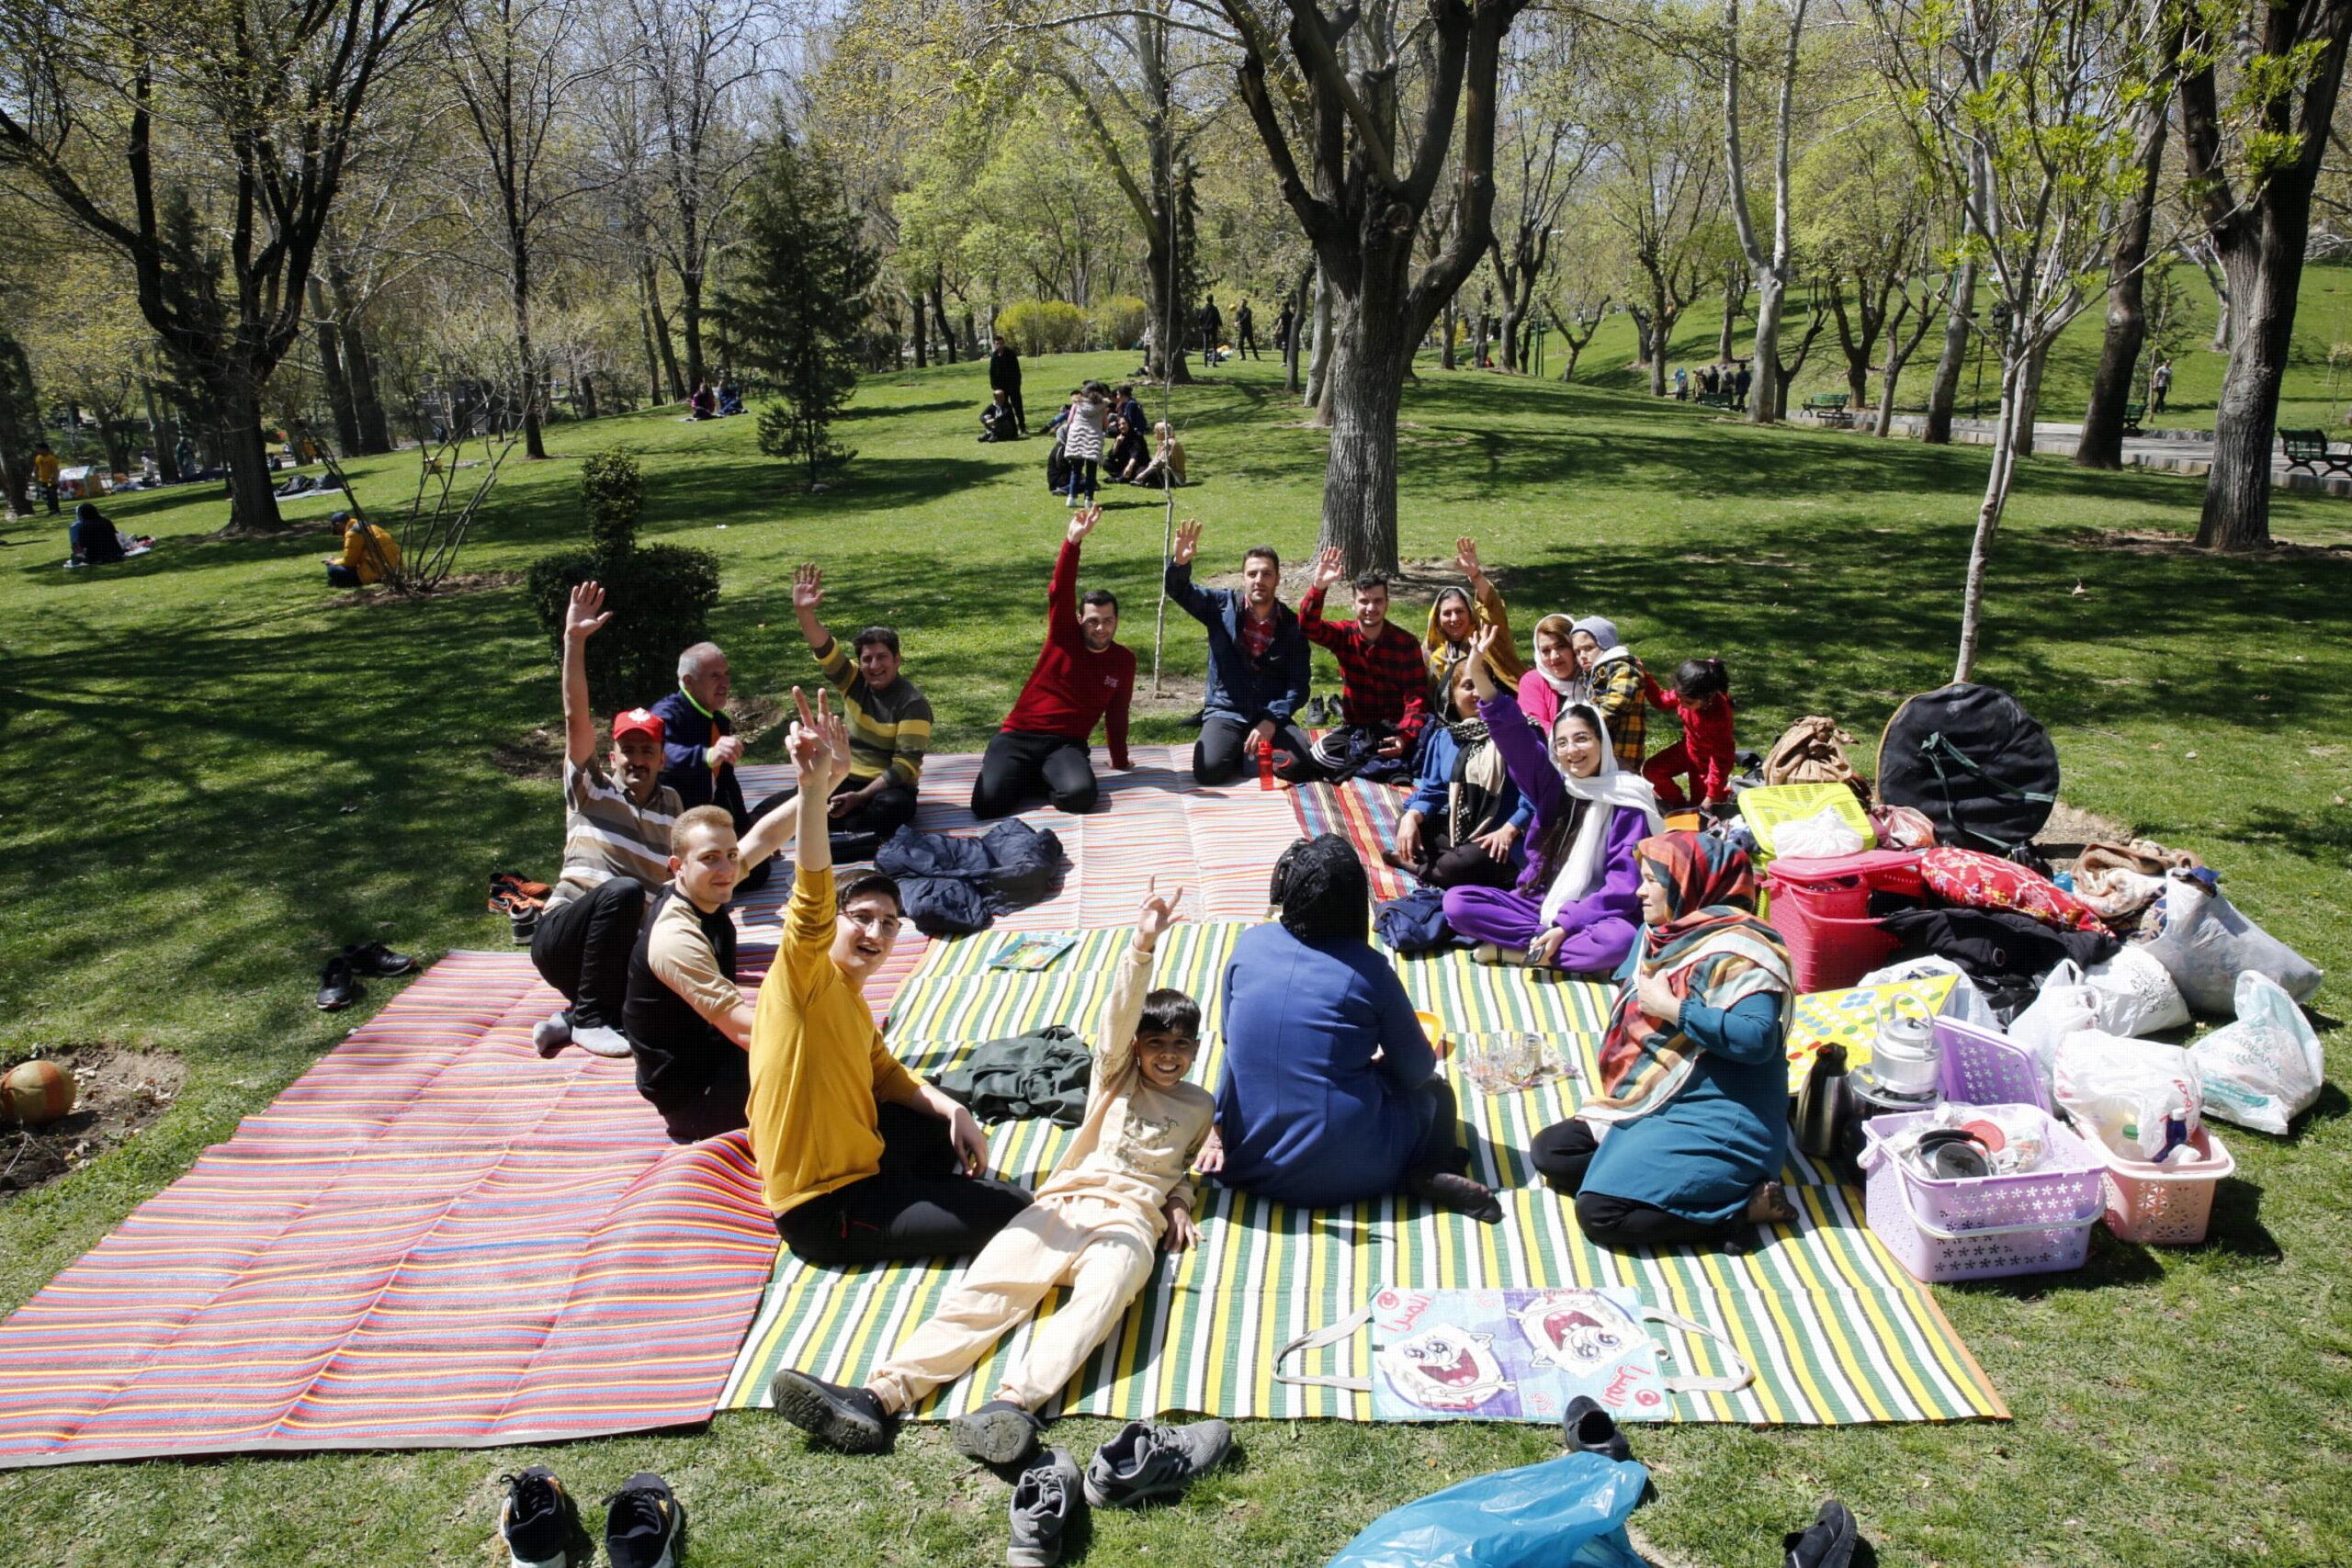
{"points": [[890, 728], [1974, 880], [1382, 679], [606, 834], [1617, 691]]}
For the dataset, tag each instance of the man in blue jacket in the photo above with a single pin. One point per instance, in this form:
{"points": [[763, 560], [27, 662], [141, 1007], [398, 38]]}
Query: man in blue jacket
{"points": [[1258, 666], [700, 748]]}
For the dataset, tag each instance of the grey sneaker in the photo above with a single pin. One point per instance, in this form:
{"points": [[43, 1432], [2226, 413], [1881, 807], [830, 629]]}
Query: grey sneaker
{"points": [[998, 1432], [600, 1040], [851, 1419], [1042, 1501], [551, 1034], [1147, 1460]]}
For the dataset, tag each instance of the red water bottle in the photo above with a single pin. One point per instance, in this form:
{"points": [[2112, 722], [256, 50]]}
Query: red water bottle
{"points": [[1266, 764]]}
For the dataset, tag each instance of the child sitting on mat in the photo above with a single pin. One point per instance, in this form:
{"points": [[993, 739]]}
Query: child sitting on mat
{"points": [[1096, 1227], [1702, 700]]}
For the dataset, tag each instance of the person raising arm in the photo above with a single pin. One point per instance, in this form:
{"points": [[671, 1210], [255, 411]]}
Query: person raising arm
{"points": [[889, 725]]}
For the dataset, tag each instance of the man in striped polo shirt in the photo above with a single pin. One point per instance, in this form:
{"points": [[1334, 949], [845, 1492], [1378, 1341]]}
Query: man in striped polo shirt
{"points": [[616, 850], [890, 727]]}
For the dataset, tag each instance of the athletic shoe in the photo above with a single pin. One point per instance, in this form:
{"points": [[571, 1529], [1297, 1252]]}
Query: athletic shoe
{"points": [[645, 1525], [1589, 1428], [851, 1419], [1043, 1500], [525, 923], [551, 1034], [998, 1432], [1832, 1540], [337, 989], [539, 1523], [1147, 1460], [375, 958], [600, 1040]]}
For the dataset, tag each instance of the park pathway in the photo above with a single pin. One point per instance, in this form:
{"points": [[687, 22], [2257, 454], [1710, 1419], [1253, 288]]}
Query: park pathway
{"points": [[2167, 451]]}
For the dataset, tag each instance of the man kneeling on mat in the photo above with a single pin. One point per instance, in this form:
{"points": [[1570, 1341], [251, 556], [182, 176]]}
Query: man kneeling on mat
{"points": [[1124, 1182], [688, 1026]]}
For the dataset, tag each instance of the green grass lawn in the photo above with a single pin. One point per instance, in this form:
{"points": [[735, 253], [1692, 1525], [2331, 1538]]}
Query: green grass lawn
{"points": [[218, 773]]}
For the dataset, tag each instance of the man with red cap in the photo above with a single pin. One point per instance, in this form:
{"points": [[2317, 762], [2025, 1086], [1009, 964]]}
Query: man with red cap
{"points": [[616, 850]]}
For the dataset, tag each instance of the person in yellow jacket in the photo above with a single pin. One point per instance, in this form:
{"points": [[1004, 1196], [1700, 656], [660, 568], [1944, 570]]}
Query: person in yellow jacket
{"points": [[45, 475], [1454, 620], [368, 553]]}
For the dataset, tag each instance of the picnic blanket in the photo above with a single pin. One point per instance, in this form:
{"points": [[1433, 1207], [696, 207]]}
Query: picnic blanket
{"points": [[1364, 814], [1849, 1017], [1153, 821], [1837, 1331], [432, 1239]]}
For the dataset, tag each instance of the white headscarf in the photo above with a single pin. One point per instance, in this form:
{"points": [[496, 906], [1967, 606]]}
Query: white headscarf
{"points": [[1580, 869], [1573, 688]]}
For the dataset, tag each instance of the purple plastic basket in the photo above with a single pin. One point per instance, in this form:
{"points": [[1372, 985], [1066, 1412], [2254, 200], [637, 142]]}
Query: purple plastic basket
{"points": [[1980, 1068], [1986, 1227]]}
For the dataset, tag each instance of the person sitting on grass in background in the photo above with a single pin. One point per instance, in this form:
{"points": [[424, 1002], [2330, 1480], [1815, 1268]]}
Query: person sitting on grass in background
{"points": [[1454, 620], [1702, 699], [700, 749], [1577, 905], [687, 1023], [1384, 681], [1556, 680], [1463, 824], [1081, 676], [370, 552], [889, 723], [1129, 452], [998, 422], [1618, 687], [860, 1161], [618, 818], [1258, 665], [1166, 470], [94, 540], [1123, 1185]]}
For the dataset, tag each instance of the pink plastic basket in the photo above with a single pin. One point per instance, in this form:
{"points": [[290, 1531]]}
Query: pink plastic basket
{"points": [[1821, 908], [1980, 1068], [2167, 1205], [1986, 1227]]}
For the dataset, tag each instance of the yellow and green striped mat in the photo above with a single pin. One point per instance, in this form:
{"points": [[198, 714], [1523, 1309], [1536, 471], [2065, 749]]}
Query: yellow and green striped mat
{"points": [[1836, 1331]]}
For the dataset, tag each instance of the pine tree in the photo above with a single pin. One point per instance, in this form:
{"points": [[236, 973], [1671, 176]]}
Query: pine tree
{"points": [[794, 307]]}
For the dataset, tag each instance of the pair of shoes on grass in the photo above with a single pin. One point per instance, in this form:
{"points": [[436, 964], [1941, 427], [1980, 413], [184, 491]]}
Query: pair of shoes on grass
{"points": [[556, 1031], [645, 1525], [339, 981]]}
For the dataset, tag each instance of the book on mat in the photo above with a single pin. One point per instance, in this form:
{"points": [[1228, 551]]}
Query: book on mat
{"points": [[1030, 954]]}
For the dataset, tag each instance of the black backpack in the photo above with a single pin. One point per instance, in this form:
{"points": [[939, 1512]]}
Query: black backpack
{"points": [[1980, 766]]}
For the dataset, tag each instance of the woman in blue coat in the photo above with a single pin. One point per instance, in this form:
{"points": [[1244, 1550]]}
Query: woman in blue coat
{"points": [[1331, 1094]]}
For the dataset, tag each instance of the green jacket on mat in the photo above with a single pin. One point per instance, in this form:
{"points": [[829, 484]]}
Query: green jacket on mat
{"points": [[1025, 1076]]}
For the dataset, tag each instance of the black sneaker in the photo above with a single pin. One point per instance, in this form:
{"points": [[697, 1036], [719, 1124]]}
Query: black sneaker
{"points": [[337, 989], [645, 1525], [851, 1419], [539, 1523], [1147, 1460], [1587, 1427], [1043, 1500], [998, 1432], [1832, 1540], [375, 958]]}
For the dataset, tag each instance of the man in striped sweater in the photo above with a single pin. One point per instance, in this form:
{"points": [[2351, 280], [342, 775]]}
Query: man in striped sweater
{"points": [[890, 727]]}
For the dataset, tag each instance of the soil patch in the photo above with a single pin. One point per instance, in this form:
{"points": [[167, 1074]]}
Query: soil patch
{"points": [[535, 754], [2069, 829], [118, 1093], [2179, 547], [447, 588]]}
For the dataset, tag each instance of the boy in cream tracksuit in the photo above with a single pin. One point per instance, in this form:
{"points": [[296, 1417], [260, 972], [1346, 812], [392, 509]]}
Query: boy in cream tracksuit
{"points": [[1125, 1182]]}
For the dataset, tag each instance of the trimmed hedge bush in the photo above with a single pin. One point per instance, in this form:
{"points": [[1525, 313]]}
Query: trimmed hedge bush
{"points": [[1043, 326], [660, 596]]}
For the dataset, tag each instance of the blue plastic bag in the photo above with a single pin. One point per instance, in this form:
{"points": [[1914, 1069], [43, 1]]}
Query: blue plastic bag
{"points": [[1568, 1512]]}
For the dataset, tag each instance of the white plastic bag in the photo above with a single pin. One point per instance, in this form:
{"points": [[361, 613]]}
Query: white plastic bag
{"points": [[2202, 939], [1823, 836], [2066, 1005], [2137, 1097], [2135, 994], [1964, 1003], [2264, 1070]]}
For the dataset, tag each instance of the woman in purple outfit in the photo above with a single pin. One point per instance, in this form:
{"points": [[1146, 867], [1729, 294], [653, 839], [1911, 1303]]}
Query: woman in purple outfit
{"points": [[1578, 906]]}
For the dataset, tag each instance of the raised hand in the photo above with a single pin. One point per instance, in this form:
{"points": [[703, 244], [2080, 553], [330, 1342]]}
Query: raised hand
{"points": [[806, 743], [1082, 523], [1327, 567], [1466, 558], [586, 615], [1158, 913], [1483, 643], [807, 588], [1188, 539]]}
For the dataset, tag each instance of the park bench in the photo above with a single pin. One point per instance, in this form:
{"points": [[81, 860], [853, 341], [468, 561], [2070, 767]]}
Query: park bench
{"points": [[1829, 408], [2132, 414], [2307, 447]]}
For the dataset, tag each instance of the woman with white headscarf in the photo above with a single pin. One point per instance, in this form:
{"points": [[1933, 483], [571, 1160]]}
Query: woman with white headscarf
{"points": [[1578, 905]]}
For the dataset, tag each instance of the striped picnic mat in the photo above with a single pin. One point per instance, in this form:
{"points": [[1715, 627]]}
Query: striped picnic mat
{"points": [[1365, 815], [432, 1239], [1836, 1330], [1153, 821]]}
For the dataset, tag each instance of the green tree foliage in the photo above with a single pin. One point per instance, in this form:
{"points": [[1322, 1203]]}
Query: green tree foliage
{"points": [[796, 303], [660, 596]]}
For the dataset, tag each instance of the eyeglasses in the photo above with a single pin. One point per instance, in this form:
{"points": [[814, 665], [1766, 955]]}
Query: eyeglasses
{"points": [[873, 920]]}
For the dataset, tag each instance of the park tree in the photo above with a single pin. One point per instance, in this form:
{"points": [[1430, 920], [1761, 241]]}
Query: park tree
{"points": [[232, 121], [793, 307], [1867, 204], [2254, 155], [1543, 153], [1664, 193], [1770, 267], [2101, 443]]}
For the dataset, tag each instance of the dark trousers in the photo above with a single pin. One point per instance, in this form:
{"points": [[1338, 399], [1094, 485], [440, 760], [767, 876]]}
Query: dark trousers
{"points": [[1561, 1154], [1012, 396], [1245, 344], [757, 877], [1081, 477], [708, 1111], [1437, 1115], [582, 947], [48, 492], [1226, 749], [1466, 865], [1019, 766], [859, 832], [920, 1205], [341, 576]]}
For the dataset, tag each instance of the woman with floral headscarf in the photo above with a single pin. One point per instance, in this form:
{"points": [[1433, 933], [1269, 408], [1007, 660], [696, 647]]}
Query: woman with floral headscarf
{"points": [[1685, 1140]]}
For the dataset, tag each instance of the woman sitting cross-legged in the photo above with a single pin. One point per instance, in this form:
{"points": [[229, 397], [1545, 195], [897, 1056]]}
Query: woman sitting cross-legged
{"points": [[1462, 823], [1331, 1093], [1685, 1143], [1577, 903]]}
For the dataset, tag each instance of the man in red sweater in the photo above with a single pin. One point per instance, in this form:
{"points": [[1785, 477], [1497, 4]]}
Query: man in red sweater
{"points": [[1384, 680], [1081, 676]]}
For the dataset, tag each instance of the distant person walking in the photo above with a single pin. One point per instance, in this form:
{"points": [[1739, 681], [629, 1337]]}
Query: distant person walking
{"points": [[1283, 325], [1682, 384], [2159, 384], [1739, 385], [1004, 376], [1212, 324], [45, 473], [1245, 337]]}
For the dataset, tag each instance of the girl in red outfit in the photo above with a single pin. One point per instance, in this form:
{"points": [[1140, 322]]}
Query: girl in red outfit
{"points": [[1702, 700]]}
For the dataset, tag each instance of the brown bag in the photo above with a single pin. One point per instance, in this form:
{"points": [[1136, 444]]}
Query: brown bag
{"points": [[1812, 751]]}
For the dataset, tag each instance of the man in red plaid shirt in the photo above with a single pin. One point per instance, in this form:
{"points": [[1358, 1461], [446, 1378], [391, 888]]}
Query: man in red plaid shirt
{"points": [[1384, 680]]}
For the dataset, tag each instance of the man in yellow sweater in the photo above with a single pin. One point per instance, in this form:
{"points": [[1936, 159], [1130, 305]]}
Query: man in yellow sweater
{"points": [[859, 1159], [368, 552]]}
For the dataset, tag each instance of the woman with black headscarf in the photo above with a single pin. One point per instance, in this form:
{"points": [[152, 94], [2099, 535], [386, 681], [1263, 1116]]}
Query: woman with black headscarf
{"points": [[1330, 1092]]}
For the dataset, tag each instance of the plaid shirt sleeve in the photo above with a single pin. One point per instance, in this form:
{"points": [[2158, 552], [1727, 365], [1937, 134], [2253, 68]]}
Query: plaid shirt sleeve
{"points": [[1386, 680]]}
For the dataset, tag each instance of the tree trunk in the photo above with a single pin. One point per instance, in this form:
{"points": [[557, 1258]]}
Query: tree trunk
{"points": [[2028, 398], [1169, 358], [650, 281], [526, 355], [652, 361], [1445, 348], [166, 434], [2264, 273], [16, 442], [2101, 444], [1945, 393], [252, 509], [358, 363], [1734, 293], [1772, 288], [918, 309], [346, 414], [1319, 357], [1989, 518], [1509, 331], [1360, 483]]}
